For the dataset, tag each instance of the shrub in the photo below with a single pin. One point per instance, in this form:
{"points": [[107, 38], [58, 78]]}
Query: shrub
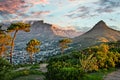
{"points": [[76, 65], [5, 67], [88, 63], [25, 72], [108, 60], [66, 73]]}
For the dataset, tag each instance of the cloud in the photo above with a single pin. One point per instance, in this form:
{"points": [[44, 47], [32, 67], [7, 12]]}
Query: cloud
{"points": [[110, 3], [72, 0], [10, 6], [35, 2], [105, 10], [43, 1], [80, 12], [40, 13]]}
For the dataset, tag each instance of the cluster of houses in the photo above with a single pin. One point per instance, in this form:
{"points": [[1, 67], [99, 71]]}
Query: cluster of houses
{"points": [[46, 50]]}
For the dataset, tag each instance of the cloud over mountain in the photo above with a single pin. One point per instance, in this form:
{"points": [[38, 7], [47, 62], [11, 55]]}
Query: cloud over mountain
{"points": [[62, 12]]}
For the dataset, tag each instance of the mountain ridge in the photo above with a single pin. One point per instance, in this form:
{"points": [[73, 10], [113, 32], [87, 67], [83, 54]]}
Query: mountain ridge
{"points": [[54, 29], [99, 33]]}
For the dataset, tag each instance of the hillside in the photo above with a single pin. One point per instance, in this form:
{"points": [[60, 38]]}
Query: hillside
{"points": [[44, 32], [99, 33]]}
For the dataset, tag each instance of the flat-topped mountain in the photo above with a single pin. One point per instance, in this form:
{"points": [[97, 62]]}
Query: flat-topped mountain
{"points": [[99, 33], [44, 32]]}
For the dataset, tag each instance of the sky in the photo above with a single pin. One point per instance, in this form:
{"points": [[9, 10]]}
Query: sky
{"points": [[79, 14]]}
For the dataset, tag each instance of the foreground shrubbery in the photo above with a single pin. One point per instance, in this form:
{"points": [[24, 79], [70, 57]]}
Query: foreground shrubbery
{"points": [[12, 75], [76, 65], [5, 67], [9, 72]]}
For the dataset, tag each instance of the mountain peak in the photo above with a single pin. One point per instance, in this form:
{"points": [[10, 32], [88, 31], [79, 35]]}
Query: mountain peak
{"points": [[100, 25], [99, 33], [101, 22]]}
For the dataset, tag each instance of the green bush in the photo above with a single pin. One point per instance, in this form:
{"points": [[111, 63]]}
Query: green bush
{"points": [[66, 73], [14, 74], [5, 67], [75, 65], [35, 66]]}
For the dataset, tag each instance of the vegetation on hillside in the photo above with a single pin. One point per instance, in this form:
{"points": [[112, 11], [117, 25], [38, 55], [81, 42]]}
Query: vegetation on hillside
{"points": [[75, 65], [5, 68], [72, 66]]}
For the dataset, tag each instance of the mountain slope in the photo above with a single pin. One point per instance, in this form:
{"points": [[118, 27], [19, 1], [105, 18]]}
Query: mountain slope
{"points": [[65, 32], [99, 33], [43, 32]]}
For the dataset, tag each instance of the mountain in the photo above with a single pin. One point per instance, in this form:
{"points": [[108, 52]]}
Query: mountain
{"points": [[47, 33], [69, 32], [99, 33]]}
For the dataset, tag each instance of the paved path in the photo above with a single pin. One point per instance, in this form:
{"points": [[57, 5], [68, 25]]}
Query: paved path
{"points": [[113, 76], [43, 67]]}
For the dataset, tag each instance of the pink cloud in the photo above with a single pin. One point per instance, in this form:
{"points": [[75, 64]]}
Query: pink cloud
{"points": [[34, 2], [10, 6], [71, 0], [43, 1]]}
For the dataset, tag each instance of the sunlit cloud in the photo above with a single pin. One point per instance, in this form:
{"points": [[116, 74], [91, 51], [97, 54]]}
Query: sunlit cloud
{"points": [[10, 6], [77, 13]]}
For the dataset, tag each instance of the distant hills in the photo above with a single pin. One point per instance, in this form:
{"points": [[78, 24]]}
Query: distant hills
{"points": [[99, 33]]}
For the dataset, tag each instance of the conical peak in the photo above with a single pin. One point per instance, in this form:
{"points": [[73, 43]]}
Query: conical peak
{"points": [[101, 22], [100, 25]]}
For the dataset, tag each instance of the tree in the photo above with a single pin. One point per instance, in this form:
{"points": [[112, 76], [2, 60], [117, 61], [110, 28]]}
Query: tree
{"points": [[64, 44], [4, 41], [104, 48], [15, 27], [32, 48]]}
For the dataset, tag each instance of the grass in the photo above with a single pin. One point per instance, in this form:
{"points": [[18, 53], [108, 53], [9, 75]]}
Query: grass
{"points": [[31, 71], [31, 77], [98, 75]]}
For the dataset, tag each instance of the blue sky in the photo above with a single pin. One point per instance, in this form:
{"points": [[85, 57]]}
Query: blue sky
{"points": [[80, 14]]}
